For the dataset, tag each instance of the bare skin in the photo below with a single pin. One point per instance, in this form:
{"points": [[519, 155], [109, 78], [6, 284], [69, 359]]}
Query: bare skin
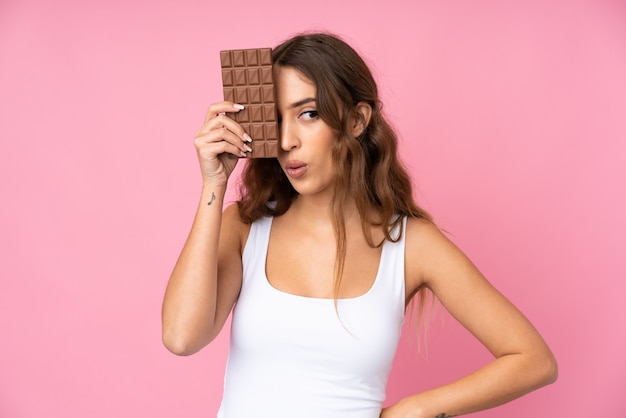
{"points": [[207, 278]]}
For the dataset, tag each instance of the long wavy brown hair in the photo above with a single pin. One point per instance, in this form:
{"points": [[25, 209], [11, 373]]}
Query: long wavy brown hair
{"points": [[369, 171]]}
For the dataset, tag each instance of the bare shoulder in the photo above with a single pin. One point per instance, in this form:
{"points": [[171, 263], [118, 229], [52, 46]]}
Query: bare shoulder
{"points": [[234, 230], [422, 229], [424, 238], [428, 251], [232, 212]]}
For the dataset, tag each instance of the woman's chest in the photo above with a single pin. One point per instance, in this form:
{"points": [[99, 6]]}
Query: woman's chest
{"points": [[306, 265]]}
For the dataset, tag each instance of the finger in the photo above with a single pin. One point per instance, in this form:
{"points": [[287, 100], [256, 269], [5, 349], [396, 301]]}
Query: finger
{"points": [[218, 149], [222, 107], [220, 122], [222, 134]]}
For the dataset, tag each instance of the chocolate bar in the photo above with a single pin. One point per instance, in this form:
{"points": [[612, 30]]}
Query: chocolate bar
{"points": [[247, 79]]}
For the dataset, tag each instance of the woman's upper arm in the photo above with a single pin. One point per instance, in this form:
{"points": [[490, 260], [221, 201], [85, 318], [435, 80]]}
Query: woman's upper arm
{"points": [[435, 262]]}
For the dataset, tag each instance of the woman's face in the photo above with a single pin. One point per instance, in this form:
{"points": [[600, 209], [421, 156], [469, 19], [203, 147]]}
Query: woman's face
{"points": [[306, 141]]}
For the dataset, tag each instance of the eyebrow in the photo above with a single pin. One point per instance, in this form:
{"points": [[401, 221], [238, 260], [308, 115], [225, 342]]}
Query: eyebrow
{"points": [[301, 102]]}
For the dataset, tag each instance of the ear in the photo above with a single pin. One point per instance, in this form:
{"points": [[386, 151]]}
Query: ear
{"points": [[361, 118]]}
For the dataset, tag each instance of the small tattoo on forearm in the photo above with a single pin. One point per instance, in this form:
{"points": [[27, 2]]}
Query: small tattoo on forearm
{"points": [[212, 199], [442, 415]]}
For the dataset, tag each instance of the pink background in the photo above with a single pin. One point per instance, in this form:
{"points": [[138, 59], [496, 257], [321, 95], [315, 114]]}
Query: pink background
{"points": [[513, 122]]}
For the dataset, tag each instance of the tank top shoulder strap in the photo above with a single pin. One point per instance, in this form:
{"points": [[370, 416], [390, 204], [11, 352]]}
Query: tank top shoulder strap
{"points": [[390, 282], [255, 250]]}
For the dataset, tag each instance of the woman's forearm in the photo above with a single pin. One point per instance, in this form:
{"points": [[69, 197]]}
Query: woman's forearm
{"points": [[189, 304], [501, 381]]}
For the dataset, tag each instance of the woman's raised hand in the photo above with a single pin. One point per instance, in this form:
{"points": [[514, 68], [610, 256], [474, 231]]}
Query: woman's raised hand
{"points": [[220, 142]]}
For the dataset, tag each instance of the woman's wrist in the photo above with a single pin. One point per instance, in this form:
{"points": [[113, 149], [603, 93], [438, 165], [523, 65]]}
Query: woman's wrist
{"points": [[212, 194], [405, 408]]}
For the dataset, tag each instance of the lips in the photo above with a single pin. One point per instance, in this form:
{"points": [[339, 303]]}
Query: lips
{"points": [[295, 169]]}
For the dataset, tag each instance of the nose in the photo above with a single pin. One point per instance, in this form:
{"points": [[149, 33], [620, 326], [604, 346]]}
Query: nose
{"points": [[288, 136]]}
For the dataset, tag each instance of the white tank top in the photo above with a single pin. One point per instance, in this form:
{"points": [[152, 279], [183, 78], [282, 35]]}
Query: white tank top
{"points": [[293, 357]]}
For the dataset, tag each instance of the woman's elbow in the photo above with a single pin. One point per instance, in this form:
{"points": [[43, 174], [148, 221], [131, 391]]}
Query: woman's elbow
{"points": [[553, 375], [181, 344], [547, 369], [175, 345]]}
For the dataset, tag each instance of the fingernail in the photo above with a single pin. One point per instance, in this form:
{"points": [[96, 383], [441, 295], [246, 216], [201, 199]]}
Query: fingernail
{"points": [[246, 137], [247, 147], [238, 106]]}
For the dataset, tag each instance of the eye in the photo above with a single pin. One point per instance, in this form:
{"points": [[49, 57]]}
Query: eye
{"points": [[309, 115]]}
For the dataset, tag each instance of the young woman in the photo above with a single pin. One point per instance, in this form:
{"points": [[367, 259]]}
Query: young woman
{"points": [[321, 256]]}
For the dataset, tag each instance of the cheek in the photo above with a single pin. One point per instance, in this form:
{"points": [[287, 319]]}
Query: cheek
{"points": [[326, 140]]}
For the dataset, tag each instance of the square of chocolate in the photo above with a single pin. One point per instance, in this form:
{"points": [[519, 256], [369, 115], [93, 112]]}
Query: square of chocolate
{"points": [[247, 79]]}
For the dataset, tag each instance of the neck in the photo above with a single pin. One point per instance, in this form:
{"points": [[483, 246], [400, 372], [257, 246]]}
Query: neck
{"points": [[317, 209]]}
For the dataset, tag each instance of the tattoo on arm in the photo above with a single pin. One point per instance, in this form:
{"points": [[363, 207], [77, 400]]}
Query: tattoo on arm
{"points": [[212, 199], [442, 415]]}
